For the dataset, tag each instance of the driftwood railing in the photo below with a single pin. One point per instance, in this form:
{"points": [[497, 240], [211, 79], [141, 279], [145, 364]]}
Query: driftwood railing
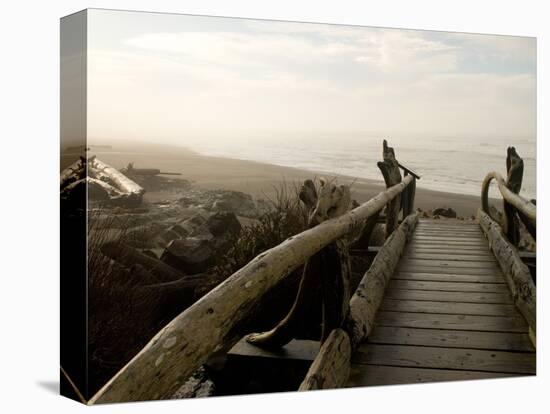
{"points": [[209, 325], [504, 234]]}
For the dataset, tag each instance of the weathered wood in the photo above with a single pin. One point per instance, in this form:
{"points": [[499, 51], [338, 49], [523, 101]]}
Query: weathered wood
{"points": [[437, 247], [453, 257], [448, 264], [370, 375], [369, 294], [527, 208], [451, 308], [392, 176], [187, 341], [514, 169], [450, 270], [331, 366], [448, 286], [440, 277], [430, 295], [329, 268], [516, 273], [444, 338], [446, 358], [457, 322]]}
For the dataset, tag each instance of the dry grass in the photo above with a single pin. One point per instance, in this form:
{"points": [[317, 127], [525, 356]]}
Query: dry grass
{"points": [[286, 217], [122, 318]]}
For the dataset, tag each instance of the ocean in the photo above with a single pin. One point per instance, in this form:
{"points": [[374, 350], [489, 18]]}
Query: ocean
{"points": [[452, 165]]}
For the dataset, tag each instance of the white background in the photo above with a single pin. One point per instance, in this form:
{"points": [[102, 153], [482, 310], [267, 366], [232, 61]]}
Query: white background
{"points": [[29, 254]]}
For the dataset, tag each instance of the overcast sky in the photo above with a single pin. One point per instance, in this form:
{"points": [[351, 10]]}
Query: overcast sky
{"points": [[162, 77]]}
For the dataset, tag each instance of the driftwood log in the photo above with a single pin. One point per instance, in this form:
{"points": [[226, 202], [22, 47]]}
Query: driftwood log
{"points": [[331, 367], [329, 267], [516, 273], [514, 205], [370, 292], [188, 340], [514, 169], [392, 176]]}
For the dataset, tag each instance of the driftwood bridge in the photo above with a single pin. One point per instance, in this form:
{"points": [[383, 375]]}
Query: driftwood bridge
{"points": [[441, 300]]}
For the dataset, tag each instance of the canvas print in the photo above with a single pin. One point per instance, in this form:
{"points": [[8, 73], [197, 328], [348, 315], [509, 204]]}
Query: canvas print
{"points": [[252, 206]]}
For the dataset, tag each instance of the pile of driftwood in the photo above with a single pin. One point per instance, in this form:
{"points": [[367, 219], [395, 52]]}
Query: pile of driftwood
{"points": [[97, 180]]}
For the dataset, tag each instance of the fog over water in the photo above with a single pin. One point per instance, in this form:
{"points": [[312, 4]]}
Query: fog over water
{"points": [[315, 96]]}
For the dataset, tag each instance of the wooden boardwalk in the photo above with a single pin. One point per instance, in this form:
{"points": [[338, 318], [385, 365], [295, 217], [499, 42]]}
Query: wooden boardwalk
{"points": [[447, 315]]}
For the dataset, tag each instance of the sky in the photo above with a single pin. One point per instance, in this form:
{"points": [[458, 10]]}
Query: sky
{"points": [[170, 78]]}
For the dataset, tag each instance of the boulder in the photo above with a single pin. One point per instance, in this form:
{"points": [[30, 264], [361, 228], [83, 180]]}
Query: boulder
{"points": [[444, 212], [190, 255], [221, 224], [199, 251]]}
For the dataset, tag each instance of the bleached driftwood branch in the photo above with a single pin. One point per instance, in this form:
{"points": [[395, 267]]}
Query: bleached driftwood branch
{"points": [[516, 272], [331, 367], [187, 341]]}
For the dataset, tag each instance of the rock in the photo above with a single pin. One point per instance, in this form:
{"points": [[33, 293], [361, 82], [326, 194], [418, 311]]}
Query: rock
{"points": [[444, 212], [221, 223], [190, 255], [197, 252]]}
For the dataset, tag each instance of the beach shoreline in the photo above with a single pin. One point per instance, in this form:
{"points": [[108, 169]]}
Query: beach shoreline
{"points": [[261, 180]]}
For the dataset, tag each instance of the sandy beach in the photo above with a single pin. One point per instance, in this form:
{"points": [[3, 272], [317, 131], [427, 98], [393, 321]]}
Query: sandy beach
{"points": [[261, 179]]}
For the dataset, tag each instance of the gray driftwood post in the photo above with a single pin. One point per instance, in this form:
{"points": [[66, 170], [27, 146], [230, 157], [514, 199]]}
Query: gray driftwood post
{"points": [[390, 170], [514, 168]]}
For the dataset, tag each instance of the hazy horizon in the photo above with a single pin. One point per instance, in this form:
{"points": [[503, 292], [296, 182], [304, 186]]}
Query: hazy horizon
{"points": [[179, 79]]}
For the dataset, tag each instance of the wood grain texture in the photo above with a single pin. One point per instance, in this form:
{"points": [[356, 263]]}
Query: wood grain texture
{"points": [[441, 277], [455, 322], [443, 296], [448, 286], [456, 308], [452, 338], [446, 358], [331, 366], [371, 375]]}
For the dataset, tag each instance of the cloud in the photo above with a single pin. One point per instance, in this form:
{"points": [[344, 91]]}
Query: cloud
{"points": [[288, 76]]}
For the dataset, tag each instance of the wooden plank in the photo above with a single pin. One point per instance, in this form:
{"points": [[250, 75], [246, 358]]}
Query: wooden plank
{"points": [[449, 270], [302, 350], [454, 322], [453, 237], [436, 247], [459, 229], [455, 308], [446, 358], [448, 286], [446, 246], [450, 234], [448, 263], [503, 341], [450, 243], [455, 252], [439, 296], [450, 257], [371, 375], [438, 277]]}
